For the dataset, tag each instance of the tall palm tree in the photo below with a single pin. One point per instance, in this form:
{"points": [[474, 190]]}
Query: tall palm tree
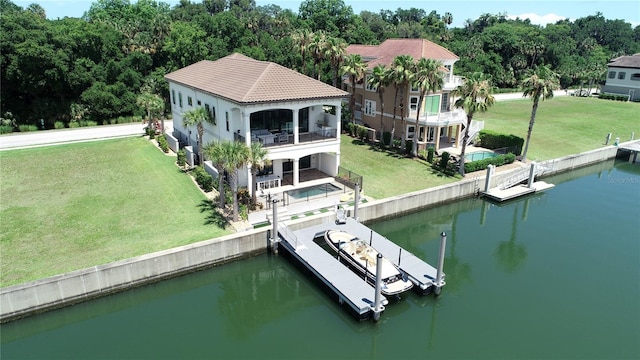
{"points": [[213, 151], [427, 78], [334, 51], [316, 48], [236, 155], [474, 95], [380, 79], [539, 83], [152, 104], [355, 68], [197, 116], [403, 68], [257, 159], [301, 40]]}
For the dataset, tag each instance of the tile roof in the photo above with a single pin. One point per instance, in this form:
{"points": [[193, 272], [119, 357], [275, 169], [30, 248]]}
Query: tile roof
{"points": [[242, 79], [632, 61], [390, 48]]}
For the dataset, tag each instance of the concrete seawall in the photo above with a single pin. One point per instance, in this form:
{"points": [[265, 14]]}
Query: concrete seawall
{"points": [[66, 289]]}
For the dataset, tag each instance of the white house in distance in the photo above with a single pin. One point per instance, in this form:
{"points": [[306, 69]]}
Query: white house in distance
{"points": [[623, 77], [296, 118]]}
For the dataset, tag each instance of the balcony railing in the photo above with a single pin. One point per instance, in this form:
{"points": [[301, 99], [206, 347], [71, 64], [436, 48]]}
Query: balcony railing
{"points": [[443, 117], [284, 139]]}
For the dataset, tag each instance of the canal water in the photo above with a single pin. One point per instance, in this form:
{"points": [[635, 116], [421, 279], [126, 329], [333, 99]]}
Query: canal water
{"points": [[553, 275]]}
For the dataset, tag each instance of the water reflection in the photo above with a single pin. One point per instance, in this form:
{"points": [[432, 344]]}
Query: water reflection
{"points": [[511, 254]]}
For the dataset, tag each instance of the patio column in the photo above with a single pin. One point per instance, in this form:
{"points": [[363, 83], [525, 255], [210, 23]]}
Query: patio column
{"points": [[458, 135], [437, 137], [246, 120], [339, 123], [296, 172], [296, 131]]}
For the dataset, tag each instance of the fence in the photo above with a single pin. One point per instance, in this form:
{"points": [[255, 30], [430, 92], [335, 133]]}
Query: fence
{"points": [[348, 178]]}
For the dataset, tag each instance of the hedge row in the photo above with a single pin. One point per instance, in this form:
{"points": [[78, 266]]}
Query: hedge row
{"points": [[484, 163], [616, 97], [494, 140], [204, 180]]}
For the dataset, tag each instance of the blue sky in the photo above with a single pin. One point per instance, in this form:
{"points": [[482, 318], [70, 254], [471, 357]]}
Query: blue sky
{"points": [[540, 12]]}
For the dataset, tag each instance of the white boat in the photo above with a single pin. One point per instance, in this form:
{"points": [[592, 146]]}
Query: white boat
{"points": [[362, 257]]}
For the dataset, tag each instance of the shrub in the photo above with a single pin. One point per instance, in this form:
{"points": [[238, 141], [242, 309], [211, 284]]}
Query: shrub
{"points": [[182, 158], [5, 129], [58, 125], [204, 180], [27, 128], [484, 163], [350, 128], [444, 160], [73, 124], [616, 97], [150, 132], [494, 140], [163, 144], [386, 138], [396, 143], [363, 133], [408, 146], [430, 153]]}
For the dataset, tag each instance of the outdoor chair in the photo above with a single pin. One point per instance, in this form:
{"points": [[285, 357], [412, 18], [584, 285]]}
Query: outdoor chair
{"points": [[283, 137]]}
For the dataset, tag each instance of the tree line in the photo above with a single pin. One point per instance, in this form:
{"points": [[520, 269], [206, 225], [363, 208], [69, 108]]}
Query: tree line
{"points": [[110, 62]]}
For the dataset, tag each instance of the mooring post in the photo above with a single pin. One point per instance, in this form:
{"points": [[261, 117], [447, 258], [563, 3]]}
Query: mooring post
{"points": [[633, 135], [616, 142], [532, 175], [356, 198], [378, 296], [274, 231], [439, 282], [607, 139], [487, 180]]}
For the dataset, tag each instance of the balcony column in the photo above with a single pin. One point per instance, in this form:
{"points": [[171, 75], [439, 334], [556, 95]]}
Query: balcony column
{"points": [[437, 137], [458, 135], [339, 124], [296, 131], [296, 172], [246, 125], [337, 165]]}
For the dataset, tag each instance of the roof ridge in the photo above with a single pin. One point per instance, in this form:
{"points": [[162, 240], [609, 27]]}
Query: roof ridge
{"points": [[263, 73]]}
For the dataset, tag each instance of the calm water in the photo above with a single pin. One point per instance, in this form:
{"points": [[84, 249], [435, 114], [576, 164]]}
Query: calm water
{"points": [[554, 275]]}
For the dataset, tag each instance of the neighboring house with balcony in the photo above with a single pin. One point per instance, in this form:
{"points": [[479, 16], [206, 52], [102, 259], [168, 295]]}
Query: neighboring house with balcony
{"points": [[439, 124], [623, 77], [295, 117]]}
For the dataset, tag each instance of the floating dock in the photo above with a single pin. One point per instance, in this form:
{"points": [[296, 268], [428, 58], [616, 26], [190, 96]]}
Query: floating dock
{"points": [[500, 195], [512, 188], [351, 288]]}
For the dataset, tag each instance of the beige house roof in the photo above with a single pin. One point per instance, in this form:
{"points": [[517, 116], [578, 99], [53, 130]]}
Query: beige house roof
{"points": [[390, 48], [242, 79], [632, 61]]}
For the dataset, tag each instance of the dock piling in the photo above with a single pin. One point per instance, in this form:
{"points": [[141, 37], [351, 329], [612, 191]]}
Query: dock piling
{"points": [[487, 180], [274, 231], [607, 139], [378, 296], [439, 282], [532, 175], [356, 198]]}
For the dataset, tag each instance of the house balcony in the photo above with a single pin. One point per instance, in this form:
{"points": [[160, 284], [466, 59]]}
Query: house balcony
{"points": [[272, 140], [453, 82], [440, 119]]}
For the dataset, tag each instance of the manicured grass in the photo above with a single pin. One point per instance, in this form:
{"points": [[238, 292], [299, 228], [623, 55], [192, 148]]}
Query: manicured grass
{"points": [[69, 207], [386, 173], [564, 125]]}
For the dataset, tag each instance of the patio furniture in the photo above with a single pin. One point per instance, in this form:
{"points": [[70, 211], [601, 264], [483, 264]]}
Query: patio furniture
{"points": [[283, 137]]}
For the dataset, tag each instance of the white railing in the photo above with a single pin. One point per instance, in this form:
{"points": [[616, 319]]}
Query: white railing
{"points": [[521, 176], [288, 234], [454, 82], [268, 182], [474, 129]]}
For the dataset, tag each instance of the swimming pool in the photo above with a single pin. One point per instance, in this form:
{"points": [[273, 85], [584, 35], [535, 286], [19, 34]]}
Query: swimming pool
{"points": [[480, 155], [313, 191]]}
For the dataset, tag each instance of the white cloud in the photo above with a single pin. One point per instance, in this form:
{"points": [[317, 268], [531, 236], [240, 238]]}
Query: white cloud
{"points": [[538, 19]]}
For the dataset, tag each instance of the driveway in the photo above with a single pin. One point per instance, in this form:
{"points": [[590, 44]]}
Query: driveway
{"points": [[64, 136]]}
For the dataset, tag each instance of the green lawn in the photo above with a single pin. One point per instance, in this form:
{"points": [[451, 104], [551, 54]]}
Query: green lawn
{"points": [[385, 173], [73, 206], [564, 125]]}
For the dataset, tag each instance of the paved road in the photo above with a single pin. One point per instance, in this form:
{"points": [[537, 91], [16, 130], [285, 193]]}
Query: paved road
{"points": [[54, 137]]}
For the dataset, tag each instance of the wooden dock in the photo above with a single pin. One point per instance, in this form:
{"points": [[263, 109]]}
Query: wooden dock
{"points": [[349, 287]]}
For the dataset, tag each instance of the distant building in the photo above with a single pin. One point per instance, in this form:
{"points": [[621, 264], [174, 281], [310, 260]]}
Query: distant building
{"points": [[623, 77], [295, 117], [439, 124]]}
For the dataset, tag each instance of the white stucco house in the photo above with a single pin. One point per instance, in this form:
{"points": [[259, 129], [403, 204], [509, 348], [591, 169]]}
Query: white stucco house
{"points": [[623, 77], [295, 117]]}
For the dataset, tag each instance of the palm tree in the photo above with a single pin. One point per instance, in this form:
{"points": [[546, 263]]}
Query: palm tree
{"points": [[257, 159], [427, 78], [316, 47], [539, 83], [380, 78], [474, 95], [236, 155], [301, 40], [152, 104], [197, 116], [355, 68], [214, 152], [403, 66], [334, 51]]}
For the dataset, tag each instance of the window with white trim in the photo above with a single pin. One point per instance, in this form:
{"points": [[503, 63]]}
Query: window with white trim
{"points": [[612, 74], [180, 98], [621, 75], [370, 107], [371, 88], [173, 96], [413, 103], [189, 101]]}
